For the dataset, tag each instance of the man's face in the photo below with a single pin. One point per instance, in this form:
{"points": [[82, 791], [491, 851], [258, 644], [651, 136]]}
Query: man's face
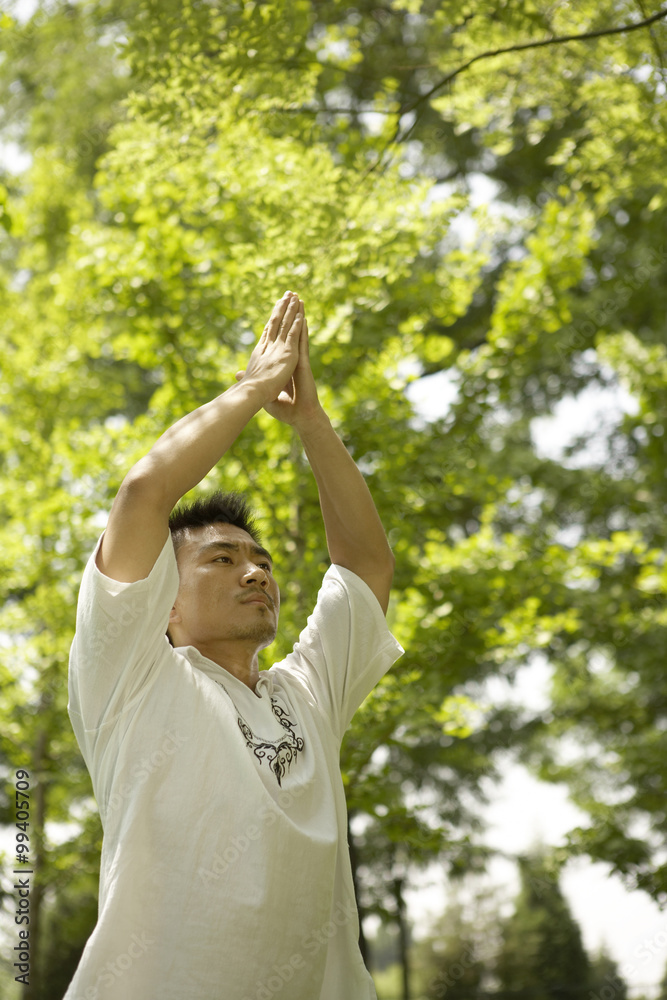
{"points": [[226, 589]]}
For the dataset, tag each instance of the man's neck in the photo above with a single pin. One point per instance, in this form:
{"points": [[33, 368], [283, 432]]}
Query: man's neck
{"points": [[242, 662]]}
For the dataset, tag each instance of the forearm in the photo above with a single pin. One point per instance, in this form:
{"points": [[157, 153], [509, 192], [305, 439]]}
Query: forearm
{"points": [[356, 538], [191, 447]]}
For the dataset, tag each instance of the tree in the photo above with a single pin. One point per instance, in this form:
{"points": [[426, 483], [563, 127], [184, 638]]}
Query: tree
{"points": [[542, 954], [137, 254], [137, 324], [606, 981], [451, 960]]}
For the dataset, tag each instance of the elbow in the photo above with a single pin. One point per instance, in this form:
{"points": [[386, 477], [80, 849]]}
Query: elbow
{"points": [[143, 483], [385, 569]]}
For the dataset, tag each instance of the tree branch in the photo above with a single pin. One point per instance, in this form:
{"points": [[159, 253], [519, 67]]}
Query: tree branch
{"points": [[656, 47], [489, 54], [303, 110]]}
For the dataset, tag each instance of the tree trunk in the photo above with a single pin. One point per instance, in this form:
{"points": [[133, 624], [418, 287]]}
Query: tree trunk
{"points": [[354, 862], [403, 937]]}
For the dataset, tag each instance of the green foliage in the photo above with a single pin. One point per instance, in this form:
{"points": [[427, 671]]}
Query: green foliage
{"points": [[190, 162], [451, 960], [542, 950], [606, 981], [472, 950]]}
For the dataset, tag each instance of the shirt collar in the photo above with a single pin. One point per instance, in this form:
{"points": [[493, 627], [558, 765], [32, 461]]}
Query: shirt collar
{"points": [[218, 673]]}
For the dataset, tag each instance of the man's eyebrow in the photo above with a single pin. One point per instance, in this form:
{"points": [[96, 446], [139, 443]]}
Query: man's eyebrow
{"points": [[256, 550]]}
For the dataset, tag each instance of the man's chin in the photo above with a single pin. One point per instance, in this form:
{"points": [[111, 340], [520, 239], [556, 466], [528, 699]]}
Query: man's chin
{"points": [[263, 633], [269, 638]]}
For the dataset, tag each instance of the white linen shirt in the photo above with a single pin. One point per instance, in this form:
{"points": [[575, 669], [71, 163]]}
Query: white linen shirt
{"points": [[225, 870]]}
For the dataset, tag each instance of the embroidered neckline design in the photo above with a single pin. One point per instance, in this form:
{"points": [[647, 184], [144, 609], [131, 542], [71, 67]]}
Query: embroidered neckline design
{"points": [[279, 754]]}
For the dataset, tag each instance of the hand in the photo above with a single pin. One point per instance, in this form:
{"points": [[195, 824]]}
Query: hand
{"points": [[276, 353], [297, 403]]}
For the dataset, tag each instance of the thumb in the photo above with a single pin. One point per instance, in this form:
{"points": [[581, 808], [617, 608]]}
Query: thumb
{"points": [[239, 375]]}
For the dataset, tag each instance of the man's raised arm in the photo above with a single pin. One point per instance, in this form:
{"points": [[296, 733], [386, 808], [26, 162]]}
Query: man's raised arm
{"points": [[355, 537], [139, 519]]}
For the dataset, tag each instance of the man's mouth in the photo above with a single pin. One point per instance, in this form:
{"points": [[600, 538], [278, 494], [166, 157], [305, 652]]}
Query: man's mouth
{"points": [[257, 599]]}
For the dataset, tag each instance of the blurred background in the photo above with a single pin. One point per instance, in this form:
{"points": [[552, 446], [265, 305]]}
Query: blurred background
{"points": [[471, 199]]}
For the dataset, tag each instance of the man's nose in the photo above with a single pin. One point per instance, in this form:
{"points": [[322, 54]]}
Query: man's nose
{"points": [[255, 574]]}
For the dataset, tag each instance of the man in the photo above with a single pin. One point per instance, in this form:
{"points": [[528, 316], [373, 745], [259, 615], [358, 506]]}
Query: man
{"points": [[225, 872]]}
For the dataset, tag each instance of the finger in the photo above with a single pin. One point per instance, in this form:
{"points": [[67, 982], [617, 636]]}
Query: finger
{"points": [[291, 313], [273, 327], [303, 342], [293, 331], [239, 375]]}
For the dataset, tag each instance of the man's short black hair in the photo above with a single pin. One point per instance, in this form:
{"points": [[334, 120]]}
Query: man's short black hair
{"points": [[214, 508]]}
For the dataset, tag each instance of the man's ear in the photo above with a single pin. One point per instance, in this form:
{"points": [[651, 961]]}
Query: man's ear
{"points": [[174, 617]]}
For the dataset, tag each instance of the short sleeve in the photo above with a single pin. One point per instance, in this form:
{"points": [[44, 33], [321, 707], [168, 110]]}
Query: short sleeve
{"points": [[120, 633], [345, 648]]}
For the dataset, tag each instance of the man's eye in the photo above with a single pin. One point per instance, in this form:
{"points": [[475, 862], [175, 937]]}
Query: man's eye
{"points": [[265, 566], [220, 558]]}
